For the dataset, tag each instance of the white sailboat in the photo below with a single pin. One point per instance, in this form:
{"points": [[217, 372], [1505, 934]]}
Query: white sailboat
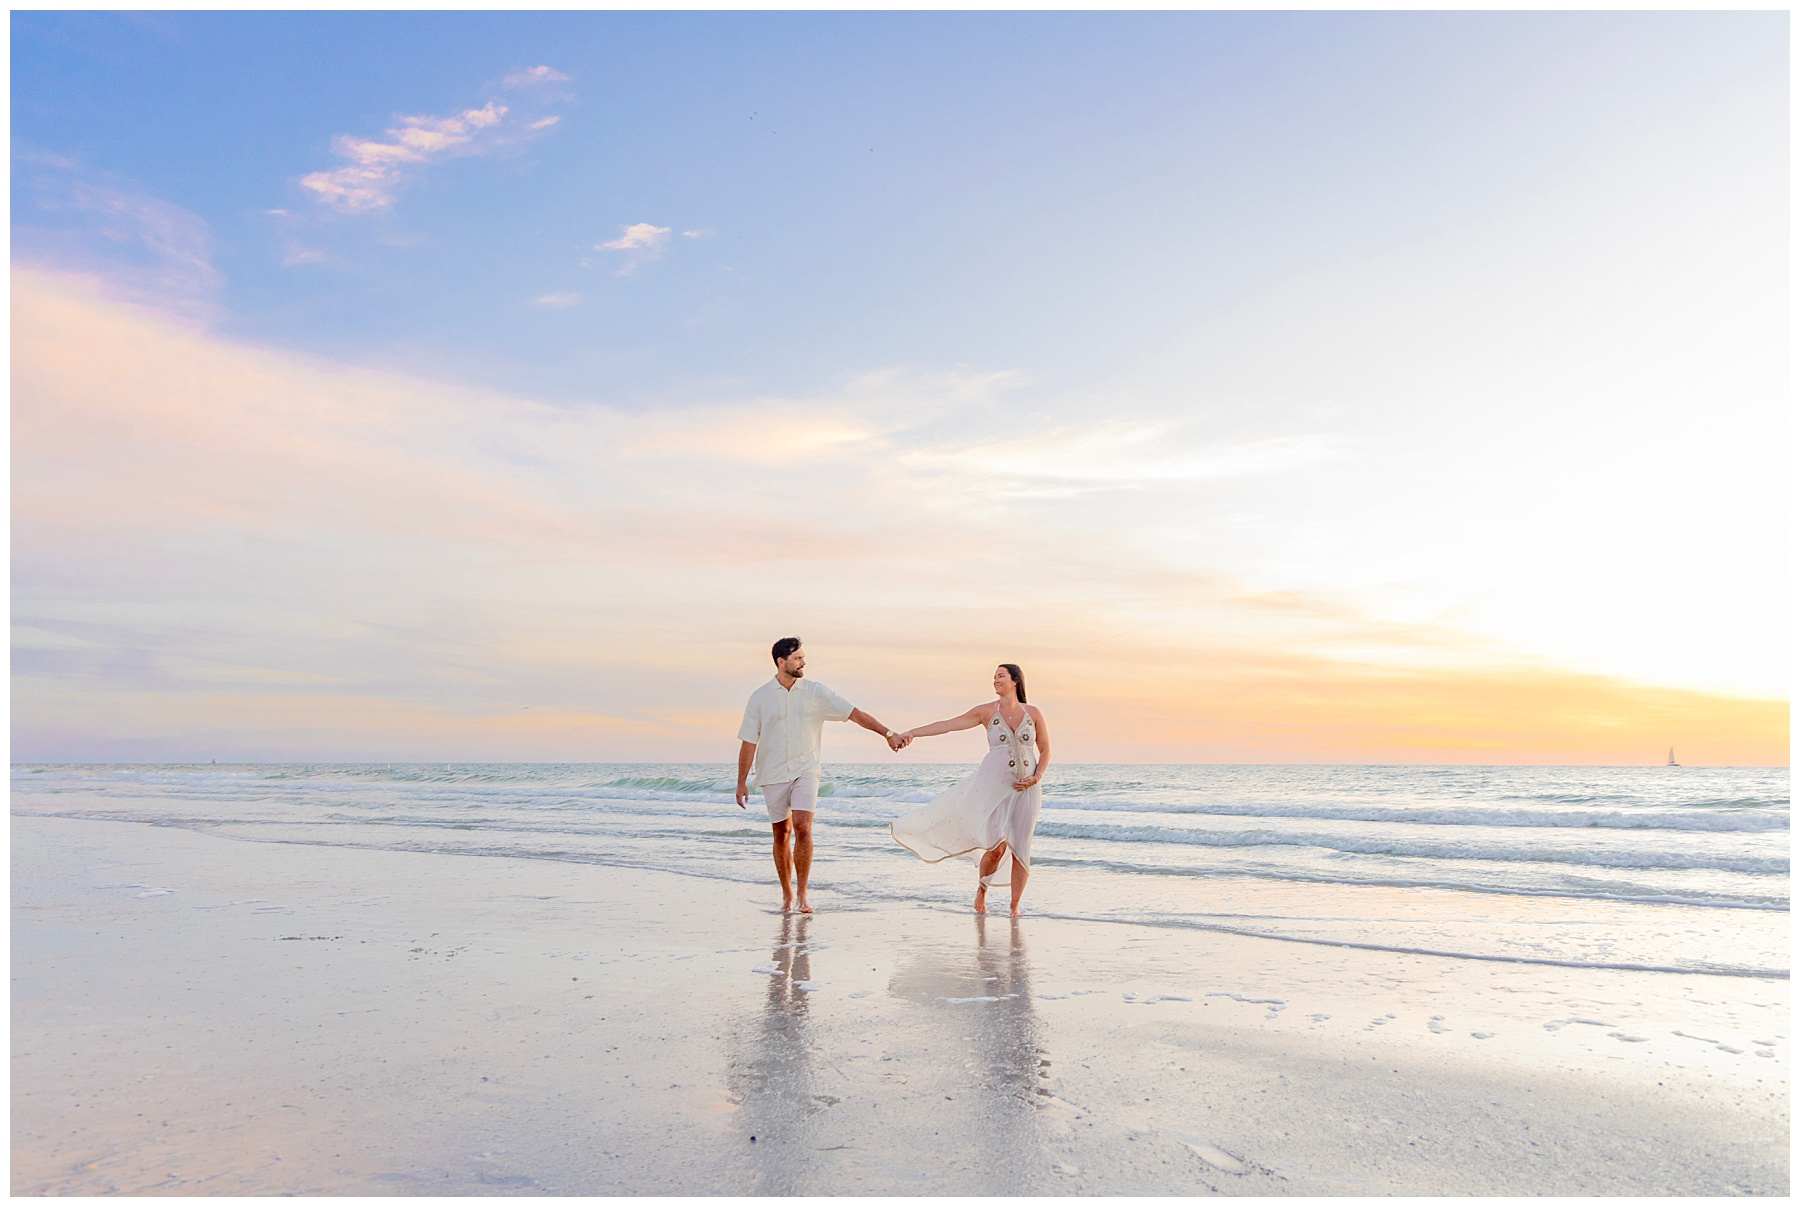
{"points": [[1672, 761]]}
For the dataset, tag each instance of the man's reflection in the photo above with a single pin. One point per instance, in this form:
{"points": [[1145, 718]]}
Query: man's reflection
{"points": [[771, 1072], [792, 958]]}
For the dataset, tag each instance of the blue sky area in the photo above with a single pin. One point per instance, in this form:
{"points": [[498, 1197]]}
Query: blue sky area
{"points": [[1051, 193]]}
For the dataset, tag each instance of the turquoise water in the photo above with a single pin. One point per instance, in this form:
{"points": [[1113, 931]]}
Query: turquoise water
{"points": [[1139, 840], [1714, 836]]}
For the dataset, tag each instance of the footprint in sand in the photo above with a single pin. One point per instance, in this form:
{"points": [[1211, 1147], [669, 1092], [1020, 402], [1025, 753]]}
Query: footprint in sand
{"points": [[1215, 1156], [1437, 1025]]}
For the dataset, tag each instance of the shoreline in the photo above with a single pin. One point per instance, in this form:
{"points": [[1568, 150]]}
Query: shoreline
{"points": [[195, 1014]]}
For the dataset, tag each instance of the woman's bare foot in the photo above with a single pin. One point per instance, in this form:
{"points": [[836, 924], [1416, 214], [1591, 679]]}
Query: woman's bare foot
{"points": [[803, 906], [981, 899], [787, 905], [1015, 909]]}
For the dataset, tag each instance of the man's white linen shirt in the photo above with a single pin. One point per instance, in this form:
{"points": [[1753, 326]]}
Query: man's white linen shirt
{"points": [[786, 725]]}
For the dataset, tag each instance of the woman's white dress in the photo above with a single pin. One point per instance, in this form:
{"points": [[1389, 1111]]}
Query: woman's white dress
{"points": [[981, 810]]}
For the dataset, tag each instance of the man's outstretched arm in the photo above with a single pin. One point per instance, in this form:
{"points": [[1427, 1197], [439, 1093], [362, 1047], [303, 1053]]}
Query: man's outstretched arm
{"points": [[746, 755], [871, 724]]}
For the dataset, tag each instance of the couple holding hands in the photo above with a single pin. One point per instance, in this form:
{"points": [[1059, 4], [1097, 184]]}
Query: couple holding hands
{"points": [[988, 814]]}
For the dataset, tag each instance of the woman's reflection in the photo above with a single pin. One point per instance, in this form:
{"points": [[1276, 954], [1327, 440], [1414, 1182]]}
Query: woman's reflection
{"points": [[1007, 1033]]}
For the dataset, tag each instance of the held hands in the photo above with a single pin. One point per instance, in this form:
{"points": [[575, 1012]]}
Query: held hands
{"points": [[899, 741]]}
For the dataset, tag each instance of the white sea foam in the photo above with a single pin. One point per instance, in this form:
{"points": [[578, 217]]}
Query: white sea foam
{"points": [[1647, 836], [1383, 845], [1740, 819]]}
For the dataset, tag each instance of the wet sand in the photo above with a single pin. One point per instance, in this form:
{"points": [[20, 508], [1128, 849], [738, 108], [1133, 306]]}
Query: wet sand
{"points": [[198, 1015]]}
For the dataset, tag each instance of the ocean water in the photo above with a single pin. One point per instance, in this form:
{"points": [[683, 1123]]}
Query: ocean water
{"points": [[1683, 869]]}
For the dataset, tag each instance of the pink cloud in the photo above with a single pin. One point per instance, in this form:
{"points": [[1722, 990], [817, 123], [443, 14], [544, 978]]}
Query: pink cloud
{"points": [[376, 169]]}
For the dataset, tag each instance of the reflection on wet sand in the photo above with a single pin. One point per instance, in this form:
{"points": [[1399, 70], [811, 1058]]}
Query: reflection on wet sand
{"points": [[949, 1092], [978, 1024], [1011, 1060], [771, 1073], [1006, 1031]]}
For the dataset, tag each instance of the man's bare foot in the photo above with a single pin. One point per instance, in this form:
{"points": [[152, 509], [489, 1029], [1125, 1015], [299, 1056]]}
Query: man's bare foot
{"points": [[787, 905], [1015, 911], [804, 907], [981, 899]]}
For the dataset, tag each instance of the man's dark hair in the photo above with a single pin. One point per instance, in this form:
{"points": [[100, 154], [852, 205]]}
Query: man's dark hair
{"points": [[783, 648]]}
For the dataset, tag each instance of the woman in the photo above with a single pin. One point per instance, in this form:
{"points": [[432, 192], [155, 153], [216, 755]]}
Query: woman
{"points": [[994, 810]]}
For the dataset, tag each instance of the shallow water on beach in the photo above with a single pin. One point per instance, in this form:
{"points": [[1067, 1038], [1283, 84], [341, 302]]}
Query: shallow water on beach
{"points": [[1684, 869]]}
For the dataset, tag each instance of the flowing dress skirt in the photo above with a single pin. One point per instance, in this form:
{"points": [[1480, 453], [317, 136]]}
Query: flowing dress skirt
{"points": [[973, 816]]}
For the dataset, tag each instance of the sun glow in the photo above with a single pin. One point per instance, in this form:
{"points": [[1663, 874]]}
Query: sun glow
{"points": [[233, 552]]}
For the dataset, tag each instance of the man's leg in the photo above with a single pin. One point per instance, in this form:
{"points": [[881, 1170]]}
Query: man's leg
{"points": [[803, 799], [778, 797], [802, 856], [784, 862]]}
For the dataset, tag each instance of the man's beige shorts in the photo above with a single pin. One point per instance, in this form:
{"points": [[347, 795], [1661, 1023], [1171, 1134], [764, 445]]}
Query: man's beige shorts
{"points": [[800, 795]]}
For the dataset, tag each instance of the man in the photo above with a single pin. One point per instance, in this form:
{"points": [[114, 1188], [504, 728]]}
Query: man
{"points": [[780, 733]]}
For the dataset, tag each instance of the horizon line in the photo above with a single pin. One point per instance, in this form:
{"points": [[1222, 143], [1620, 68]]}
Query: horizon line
{"points": [[839, 762]]}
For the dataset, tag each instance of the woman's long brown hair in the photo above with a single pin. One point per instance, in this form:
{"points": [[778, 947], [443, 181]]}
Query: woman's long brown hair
{"points": [[1018, 677]]}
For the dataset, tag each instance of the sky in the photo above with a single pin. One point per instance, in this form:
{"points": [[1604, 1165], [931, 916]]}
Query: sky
{"points": [[1275, 387]]}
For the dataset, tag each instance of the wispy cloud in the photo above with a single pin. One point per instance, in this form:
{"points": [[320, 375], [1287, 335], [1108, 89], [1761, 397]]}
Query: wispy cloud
{"points": [[317, 560], [639, 242], [1118, 455], [639, 235], [375, 169], [531, 77], [144, 249], [556, 301]]}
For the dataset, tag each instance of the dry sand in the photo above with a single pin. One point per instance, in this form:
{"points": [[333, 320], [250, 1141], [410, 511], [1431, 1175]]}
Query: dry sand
{"points": [[194, 1014]]}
